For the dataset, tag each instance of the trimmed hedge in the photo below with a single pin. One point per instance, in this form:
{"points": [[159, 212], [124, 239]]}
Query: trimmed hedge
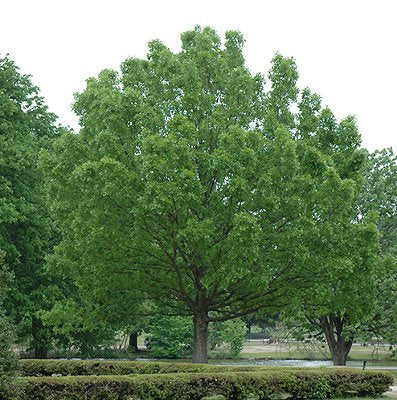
{"points": [[94, 367], [260, 384]]}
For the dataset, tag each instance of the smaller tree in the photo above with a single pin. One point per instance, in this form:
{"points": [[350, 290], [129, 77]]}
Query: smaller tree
{"points": [[344, 258], [379, 193], [76, 325], [87, 318]]}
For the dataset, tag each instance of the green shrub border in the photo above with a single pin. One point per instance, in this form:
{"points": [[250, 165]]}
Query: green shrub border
{"points": [[49, 367], [258, 384]]}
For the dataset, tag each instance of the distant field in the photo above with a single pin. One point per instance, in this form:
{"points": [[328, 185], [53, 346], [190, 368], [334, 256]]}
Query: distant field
{"points": [[298, 350], [387, 396], [256, 349]]}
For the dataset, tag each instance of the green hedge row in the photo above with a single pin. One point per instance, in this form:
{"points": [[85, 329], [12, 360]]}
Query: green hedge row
{"points": [[264, 384], [92, 367]]}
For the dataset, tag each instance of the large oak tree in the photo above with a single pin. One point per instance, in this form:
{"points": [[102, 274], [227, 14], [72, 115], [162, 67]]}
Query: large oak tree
{"points": [[185, 185]]}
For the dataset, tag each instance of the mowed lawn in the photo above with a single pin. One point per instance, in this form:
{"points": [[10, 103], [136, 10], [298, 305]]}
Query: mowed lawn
{"points": [[257, 349], [386, 396], [297, 350]]}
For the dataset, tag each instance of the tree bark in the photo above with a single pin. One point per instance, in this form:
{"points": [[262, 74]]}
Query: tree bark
{"points": [[40, 353], [41, 339], [338, 345], [200, 342], [133, 341]]}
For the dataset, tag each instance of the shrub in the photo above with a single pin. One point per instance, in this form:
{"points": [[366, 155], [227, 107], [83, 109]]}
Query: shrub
{"points": [[229, 334], [92, 367], [170, 337], [257, 384]]}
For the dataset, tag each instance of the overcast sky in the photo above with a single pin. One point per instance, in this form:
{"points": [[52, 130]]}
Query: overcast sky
{"points": [[345, 49]]}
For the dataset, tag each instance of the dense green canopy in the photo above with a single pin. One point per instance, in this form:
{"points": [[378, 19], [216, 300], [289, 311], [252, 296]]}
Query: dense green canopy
{"points": [[191, 186], [26, 228], [345, 295], [380, 193]]}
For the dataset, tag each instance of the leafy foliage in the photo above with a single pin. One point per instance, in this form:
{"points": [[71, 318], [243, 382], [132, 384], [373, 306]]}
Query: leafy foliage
{"points": [[228, 336], [253, 384], [76, 325], [186, 185], [379, 193], [170, 337], [346, 256], [26, 228]]}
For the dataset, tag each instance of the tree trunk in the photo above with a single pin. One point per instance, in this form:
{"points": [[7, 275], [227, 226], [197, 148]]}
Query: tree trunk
{"points": [[40, 353], [41, 339], [133, 341], [338, 345], [200, 342]]}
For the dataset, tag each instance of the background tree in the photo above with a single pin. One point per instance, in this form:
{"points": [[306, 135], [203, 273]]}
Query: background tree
{"points": [[8, 360], [26, 228], [379, 193], [185, 184], [85, 319], [346, 259]]}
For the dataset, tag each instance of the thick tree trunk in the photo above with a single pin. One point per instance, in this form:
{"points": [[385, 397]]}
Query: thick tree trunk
{"points": [[133, 341], [339, 346], [200, 342], [40, 353]]}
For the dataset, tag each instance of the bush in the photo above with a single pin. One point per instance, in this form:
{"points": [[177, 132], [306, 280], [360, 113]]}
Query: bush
{"points": [[229, 335], [91, 367], [170, 337], [258, 384]]}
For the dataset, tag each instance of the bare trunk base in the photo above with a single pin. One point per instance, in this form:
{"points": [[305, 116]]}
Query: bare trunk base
{"points": [[338, 345], [40, 353], [339, 356], [133, 341], [200, 343]]}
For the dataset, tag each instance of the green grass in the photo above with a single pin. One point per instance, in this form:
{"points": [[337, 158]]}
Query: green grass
{"points": [[255, 349], [388, 396]]}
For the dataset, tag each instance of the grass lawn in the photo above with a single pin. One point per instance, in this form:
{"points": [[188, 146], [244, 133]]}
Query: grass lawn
{"points": [[388, 396], [256, 349]]}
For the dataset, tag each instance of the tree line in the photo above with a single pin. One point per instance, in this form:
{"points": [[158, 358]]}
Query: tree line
{"points": [[193, 188]]}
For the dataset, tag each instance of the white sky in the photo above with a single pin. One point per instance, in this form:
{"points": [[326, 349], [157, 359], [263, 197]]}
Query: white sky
{"points": [[345, 49]]}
